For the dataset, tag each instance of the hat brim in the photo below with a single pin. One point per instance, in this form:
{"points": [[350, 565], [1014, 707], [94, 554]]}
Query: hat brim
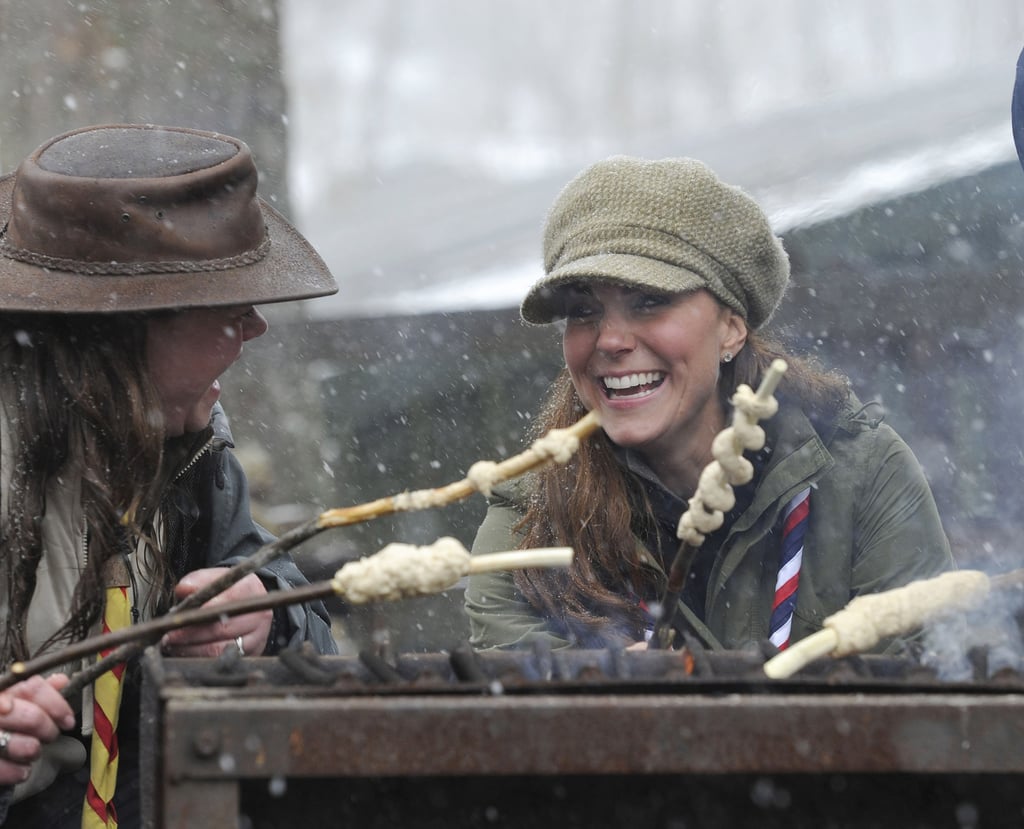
{"points": [[544, 304], [291, 270]]}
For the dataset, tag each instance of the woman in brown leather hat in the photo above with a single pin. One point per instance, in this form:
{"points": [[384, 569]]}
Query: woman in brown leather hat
{"points": [[663, 277], [132, 259]]}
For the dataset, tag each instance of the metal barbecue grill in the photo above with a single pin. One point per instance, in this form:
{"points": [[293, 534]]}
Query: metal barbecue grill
{"points": [[576, 738]]}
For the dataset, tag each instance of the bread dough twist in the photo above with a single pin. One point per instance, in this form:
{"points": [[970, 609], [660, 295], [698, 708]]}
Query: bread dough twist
{"points": [[870, 618], [714, 496], [558, 444], [401, 570]]}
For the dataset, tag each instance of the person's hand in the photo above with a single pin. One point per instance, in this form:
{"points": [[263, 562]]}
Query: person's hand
{"points": [[247, 633], [32, 712], [637, 646]]}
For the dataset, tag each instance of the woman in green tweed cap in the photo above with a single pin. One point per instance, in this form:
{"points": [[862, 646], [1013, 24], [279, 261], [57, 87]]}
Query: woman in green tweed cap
{"points": [[663, 276]]}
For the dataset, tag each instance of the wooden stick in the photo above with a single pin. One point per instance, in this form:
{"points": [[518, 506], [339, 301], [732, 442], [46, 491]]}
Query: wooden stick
{"points": [[538, 454], [664, 633], [152, 630], [771, 380], [1006, 581], [801, 654], [546, 557]]}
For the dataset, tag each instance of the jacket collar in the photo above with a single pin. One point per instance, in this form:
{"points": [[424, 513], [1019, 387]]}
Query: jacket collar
{"points": [[798, 457], [221, 428]]}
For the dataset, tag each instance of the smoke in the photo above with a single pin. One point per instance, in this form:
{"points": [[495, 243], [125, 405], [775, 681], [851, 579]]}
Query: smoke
{"points": [[980, 644]]}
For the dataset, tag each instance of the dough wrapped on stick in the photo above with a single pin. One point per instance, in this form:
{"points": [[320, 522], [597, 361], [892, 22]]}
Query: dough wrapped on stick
{"points": [[714, 497], [870, 618], [397, 571]]}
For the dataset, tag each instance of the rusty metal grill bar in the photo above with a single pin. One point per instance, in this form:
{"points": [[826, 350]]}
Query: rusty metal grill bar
{"points": [[220, 732], [412, 736]]}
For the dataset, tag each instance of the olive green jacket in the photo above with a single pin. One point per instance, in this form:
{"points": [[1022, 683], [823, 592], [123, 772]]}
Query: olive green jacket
{"points": [[873, 526]]}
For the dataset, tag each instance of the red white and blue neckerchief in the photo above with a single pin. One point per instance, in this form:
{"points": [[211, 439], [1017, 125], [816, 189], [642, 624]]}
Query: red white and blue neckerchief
{"points": [[794, 527]]}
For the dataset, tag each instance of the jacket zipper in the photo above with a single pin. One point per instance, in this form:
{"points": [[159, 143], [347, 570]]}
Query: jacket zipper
{"points": [[85, 543], [207, 447]]}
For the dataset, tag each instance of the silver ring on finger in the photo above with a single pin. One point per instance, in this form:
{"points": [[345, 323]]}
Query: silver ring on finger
{"points": [[5, 740], [238, 644]]}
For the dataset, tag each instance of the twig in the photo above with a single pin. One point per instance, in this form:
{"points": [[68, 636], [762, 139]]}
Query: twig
{"points": [[403, 555]]}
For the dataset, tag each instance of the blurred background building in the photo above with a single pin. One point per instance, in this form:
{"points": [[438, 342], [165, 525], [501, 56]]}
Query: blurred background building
{"points": [[418, 144]]}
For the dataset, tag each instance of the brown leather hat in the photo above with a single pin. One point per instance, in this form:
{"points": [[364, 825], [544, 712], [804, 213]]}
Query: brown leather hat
{"points": [[129, 217]]}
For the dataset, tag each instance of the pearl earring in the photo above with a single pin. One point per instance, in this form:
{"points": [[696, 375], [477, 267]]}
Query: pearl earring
{"points": [[727, 357]]}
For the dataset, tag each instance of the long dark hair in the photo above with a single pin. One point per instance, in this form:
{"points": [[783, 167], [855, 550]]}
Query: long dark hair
{"points": [[77, 400], [592, 505]]}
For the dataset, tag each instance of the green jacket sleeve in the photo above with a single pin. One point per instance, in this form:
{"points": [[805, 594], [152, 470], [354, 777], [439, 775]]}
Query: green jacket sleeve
{"points": [[900, 537]]}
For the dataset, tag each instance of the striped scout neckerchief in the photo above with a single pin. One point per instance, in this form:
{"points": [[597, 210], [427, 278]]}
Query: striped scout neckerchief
{"points": [[787, 582]]}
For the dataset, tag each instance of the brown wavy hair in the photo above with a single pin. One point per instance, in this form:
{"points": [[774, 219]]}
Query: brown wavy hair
{"points": [[592, 505], [76, 396]]}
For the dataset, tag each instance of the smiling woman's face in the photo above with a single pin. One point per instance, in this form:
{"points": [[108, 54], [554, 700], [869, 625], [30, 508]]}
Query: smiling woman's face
{"points": [[648, 362], [186, 351]]}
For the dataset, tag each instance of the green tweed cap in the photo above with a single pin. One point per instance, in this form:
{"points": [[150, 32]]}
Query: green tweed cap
{"points": [[671, 225]]}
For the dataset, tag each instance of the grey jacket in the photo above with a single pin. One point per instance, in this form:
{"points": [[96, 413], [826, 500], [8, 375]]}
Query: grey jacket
{"points": [[208, 524], [873, 526]]}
